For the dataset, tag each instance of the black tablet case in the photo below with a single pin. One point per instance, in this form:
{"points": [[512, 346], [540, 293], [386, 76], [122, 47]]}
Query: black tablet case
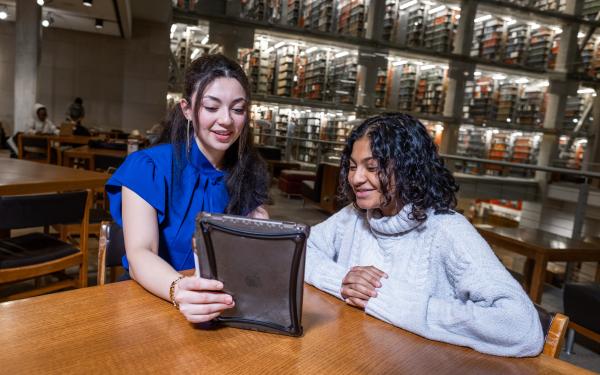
{"points": [[261, 264]]}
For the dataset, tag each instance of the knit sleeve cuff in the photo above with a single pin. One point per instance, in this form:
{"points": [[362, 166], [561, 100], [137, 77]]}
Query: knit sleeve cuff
{"points": [[330, 279], [402, 308]]}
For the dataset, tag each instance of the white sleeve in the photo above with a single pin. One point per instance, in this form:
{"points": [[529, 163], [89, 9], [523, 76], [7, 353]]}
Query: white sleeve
{"points": [[322, 250]]}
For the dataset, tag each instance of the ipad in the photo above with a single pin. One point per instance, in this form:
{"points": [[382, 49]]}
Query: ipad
{"points": [[261, 264]]}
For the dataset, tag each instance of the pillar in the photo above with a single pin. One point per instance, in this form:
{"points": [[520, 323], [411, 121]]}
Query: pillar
{"points": [[27, 57], [458, 74]]}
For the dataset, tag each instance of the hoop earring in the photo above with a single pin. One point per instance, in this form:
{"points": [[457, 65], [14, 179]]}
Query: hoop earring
{"points": [[187, 143]]}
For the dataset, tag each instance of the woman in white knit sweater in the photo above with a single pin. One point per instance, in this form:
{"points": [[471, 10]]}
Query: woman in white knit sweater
{"points": [[400, 253]]}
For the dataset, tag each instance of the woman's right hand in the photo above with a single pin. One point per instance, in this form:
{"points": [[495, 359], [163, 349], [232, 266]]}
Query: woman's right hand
{"points": [[201, 300]]}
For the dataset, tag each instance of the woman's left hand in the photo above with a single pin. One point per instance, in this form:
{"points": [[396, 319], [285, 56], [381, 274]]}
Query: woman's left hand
{"points": [[259, 213]]}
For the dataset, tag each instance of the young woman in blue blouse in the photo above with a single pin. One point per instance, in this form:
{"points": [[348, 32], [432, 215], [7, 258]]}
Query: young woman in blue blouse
{"points": [[206, 162]]}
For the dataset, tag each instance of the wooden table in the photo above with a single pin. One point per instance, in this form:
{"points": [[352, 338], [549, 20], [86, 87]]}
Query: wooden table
{"points": [[27, 177], [540, 248], [88, 153], [121, 328]]}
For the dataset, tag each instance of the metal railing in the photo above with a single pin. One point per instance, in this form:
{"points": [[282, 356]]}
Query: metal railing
{"points": [[292, 147]]}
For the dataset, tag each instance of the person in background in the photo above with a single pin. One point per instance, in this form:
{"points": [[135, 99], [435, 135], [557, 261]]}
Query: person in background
{"points": [[76, 111], [39, 124], [207, 164], [402, 254], [75, 115]]}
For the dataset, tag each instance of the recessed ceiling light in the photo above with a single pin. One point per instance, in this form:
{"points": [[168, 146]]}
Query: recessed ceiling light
{"points": [[48, 20], [40, 2], [88, 3], [3, 12], [99, 23]]}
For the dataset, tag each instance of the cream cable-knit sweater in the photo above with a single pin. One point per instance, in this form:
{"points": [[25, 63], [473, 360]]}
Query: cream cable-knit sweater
{"points": [[445, 283]]}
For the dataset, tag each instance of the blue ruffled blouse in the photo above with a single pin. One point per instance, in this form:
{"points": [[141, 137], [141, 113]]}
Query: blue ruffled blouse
{"points": [[150, 174]]}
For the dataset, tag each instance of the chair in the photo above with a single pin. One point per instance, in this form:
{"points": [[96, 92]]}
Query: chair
{"points": [[554, 326], [34, 147], [582, 303], [311, 190], [111, 248], [37, 254]]}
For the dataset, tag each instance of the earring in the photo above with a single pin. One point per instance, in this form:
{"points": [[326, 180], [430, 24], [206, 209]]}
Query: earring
{"points": [[189, 123]]}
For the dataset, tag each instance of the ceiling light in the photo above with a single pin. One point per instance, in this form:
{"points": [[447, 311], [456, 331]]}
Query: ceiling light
{"points": [[483, 18], [88, 3], [408, 4], [204, 40], [3, 12], [48, 20], [99, 23], [437, 9], [40, 2]]}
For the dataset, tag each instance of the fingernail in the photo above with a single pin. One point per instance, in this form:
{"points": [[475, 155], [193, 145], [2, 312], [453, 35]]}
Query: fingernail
{"points": [[378, 284]]}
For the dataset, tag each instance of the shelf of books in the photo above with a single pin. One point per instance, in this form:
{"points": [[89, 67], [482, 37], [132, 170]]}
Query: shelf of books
{"points": [[497, 144], [351, 17]]}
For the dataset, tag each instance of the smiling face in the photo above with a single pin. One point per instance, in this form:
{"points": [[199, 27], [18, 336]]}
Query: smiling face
{"points": [[221, 116], [364, 179]]}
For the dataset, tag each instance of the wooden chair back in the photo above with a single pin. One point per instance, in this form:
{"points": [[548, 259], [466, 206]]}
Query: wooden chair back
{"points": [[554, 326], [111, 248], [34, 147], [27, 211]]}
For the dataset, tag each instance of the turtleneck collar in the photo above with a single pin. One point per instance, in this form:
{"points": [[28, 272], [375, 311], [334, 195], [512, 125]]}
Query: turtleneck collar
{"points": [[386, 226]]}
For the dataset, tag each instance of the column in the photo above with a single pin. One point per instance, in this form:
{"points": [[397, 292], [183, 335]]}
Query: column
{"points": [[231, 38], [559, 89], [27, 57], [366, 78], [375, 16], [458, 74]]}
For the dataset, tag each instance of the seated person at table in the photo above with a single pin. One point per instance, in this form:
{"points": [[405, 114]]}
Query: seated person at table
{"points": [[403, 255], [40, 123], [208, 164]]}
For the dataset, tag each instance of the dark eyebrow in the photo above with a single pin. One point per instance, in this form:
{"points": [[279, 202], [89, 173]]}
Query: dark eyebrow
{"points": [[236, 101], [365, 159]]}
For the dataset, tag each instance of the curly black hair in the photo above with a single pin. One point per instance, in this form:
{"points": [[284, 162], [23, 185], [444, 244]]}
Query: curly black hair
{"points": [[407, 156]]}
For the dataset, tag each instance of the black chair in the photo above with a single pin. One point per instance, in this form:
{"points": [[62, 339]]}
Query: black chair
{"points": [[582, 304], [110, 250], [37, 254], [311, 190]]}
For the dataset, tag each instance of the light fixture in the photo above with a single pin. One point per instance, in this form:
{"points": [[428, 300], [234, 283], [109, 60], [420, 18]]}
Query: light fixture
{"points": [[408, 4], [205, 40], [483, 18], [99, 23], [48, 20], [3, 12], [40, 2], [88, 3]]}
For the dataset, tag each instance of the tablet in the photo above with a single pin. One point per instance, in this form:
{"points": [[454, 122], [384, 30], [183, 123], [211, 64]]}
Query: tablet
{"points": [[261, 264]]}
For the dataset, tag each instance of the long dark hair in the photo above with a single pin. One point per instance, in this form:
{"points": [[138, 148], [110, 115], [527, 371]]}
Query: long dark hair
{"points": [[407, 156], [247, 177]]}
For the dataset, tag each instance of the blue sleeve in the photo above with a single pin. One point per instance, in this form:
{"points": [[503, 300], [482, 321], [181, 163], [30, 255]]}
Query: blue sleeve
{"points": [[140, 174]]}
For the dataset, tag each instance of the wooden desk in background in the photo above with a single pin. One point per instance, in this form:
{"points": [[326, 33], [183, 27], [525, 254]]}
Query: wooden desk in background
{"points": [[89, 154], [27, 177], [540, 248], [121, 328]]}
